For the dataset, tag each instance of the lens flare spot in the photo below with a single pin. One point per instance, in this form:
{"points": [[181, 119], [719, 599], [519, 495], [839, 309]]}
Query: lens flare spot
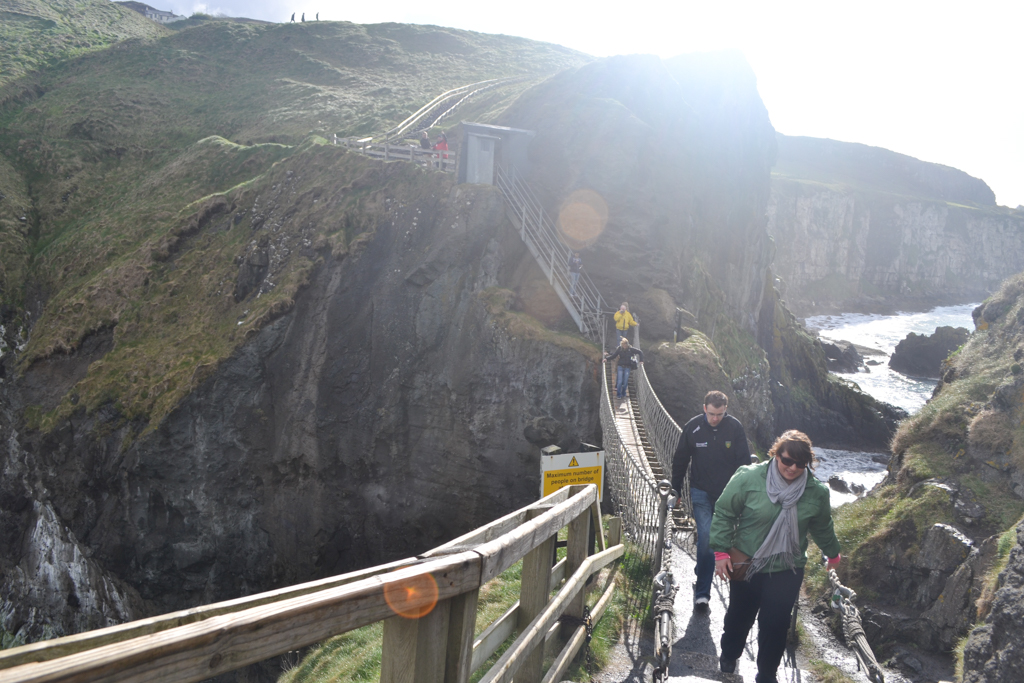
{"points": [[582, 218], [413, 597]]}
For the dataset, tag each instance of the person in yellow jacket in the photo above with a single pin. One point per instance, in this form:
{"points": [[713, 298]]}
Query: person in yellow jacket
{"points": [[624, 320]]}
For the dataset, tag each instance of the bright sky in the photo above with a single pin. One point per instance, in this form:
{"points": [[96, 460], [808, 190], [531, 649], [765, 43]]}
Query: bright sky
{"points": [[938, 80]]}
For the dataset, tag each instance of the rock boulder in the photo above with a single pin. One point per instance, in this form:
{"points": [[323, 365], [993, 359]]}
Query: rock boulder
{"points": [[842, 356], [921, 355], [995, 650]]}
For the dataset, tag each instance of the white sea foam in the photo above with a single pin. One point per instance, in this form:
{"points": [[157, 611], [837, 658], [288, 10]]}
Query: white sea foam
{"points": [[884, 332], [852, 467]]}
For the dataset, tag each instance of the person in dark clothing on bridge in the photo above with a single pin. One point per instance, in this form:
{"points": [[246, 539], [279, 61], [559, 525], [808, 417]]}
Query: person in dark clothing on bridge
{"points": [[575, 266], [628, 358], [424, 140], [713, 445]]}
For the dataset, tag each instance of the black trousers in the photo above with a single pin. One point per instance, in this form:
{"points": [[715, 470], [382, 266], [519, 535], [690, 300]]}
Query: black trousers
{"points": [[769, 597]]}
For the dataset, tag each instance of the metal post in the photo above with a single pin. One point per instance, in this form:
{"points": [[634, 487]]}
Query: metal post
{"points": [[664, 488]]}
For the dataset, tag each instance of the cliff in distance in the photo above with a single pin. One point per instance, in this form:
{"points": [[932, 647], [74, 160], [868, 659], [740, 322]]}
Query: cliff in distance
{"points": [[863, 228]]}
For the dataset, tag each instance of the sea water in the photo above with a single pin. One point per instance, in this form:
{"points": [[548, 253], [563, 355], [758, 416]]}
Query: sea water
{"points": [[850, 466], [883, 333]]}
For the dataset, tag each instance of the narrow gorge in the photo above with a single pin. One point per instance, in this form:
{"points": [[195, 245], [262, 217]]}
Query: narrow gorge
{"points": [[278, 360], [235, 355]]}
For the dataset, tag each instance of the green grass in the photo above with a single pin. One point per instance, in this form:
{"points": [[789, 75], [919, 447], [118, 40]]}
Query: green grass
{"points": [[139, 169], [36, 34], [826, 673], [875, 174], [353, 656], [356, 655]]}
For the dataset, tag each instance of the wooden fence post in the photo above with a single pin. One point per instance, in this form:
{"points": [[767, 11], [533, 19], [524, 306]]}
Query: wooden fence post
{"points": [[414, 650], [576, 551], [614, 531], [461, 627], [534, 593]]}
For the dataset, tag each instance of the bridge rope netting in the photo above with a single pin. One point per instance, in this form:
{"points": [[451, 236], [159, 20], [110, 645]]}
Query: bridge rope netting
{"points": [[632, 487]]}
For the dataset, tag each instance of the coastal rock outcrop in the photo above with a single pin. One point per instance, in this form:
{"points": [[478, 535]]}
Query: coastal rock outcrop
{"points": [[842, 356], [994, 652], [942, 522], [921, 355]]}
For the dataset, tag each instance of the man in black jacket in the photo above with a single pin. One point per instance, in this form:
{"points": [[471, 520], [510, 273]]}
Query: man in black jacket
{"points": [[713, 445]]}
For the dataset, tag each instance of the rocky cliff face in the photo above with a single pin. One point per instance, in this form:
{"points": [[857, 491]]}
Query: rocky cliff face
{"points": [[860, 230], [679, 150], [994, 652], [382, 414]]}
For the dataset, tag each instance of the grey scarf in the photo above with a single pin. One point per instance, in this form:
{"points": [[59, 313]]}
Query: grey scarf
{"points": [[783, 540]]}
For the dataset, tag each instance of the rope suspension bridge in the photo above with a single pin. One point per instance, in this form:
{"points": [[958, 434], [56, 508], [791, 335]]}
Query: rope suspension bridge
{"points": [[429, 603]]}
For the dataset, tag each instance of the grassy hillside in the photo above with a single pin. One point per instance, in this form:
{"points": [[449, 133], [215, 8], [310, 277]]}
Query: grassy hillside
{"points": [[36, 34], [143, 171], [853, 166]]}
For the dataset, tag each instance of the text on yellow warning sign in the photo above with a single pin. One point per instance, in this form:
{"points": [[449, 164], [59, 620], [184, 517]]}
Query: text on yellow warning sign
{"points": [[556, 479]]}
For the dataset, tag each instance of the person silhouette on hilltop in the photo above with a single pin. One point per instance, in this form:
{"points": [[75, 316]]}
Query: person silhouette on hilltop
{"points": [[303, 17], [293, 17], [318, 16]]}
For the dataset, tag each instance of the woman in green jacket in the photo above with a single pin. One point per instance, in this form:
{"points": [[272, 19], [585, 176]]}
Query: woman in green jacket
{"points": [[765, 513]]}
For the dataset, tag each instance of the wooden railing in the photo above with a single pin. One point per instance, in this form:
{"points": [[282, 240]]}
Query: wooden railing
{"points": [[426, 109], [442, 586], [584, 302], [439, 160]]}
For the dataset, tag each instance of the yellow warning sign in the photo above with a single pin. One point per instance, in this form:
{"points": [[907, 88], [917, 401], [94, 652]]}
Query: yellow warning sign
{"points": [[567, 469], [556, 479]]}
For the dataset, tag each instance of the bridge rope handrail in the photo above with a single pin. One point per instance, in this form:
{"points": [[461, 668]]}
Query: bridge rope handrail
{"points": [[634, 492], [662, 429], [843, 601]]}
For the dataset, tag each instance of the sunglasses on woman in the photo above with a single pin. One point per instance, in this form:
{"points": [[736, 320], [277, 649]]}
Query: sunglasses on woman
{"points": [[789, 462]]}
